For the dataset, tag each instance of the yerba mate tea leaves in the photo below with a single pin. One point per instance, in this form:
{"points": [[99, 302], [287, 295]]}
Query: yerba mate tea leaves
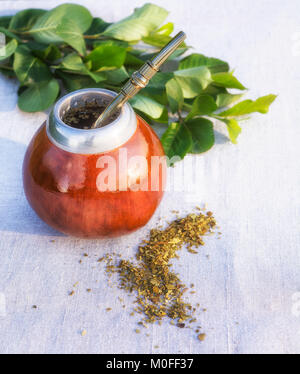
{"points": [[159, 291], [82, 117]]}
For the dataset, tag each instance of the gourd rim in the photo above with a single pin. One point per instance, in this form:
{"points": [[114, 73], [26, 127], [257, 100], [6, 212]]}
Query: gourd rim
{"points": [[90, 141]]}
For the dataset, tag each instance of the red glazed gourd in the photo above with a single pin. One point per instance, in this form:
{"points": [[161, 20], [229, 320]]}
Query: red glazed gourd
{"points": [[94, 183]]}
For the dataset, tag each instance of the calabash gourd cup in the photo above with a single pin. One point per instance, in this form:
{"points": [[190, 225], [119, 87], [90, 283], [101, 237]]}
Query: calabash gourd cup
{"points": [[94, 183]]}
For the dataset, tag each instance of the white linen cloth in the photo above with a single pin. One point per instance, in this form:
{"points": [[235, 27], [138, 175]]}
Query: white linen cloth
{"points": [[250, 282]]}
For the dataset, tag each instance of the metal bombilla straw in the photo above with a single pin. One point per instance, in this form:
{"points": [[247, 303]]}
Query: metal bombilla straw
{"points": [[140, 79]]}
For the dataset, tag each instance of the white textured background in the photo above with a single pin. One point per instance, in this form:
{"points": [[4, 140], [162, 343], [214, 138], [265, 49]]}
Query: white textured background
{"points": [[250, 282]]}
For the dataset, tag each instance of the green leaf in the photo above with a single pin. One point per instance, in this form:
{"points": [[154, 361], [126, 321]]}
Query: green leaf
{"points": [[159, 97], [163, 119], [158, 83], [116, 76], [38, 97], [193, 80], [28, 68], [50, 53], [70, 33], [202, 105], [9, 34], [7, 71], [160, 37], [214, 90], [227, 80], [175, 95], [106, 57], [112, 43], [74, 63], [147, 105], [166, 29], [45, 28], [73, 82], [196, 59], [8, 49], [139, 24], [174, 56], [260, 105], [202, 133], [97, 26], [157, 40], [97, 76], [25, 19], [4, 21], [133, 61], [233, 128], [177, 140], [226, 99]]}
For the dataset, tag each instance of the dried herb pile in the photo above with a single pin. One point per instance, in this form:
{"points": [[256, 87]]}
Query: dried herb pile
{"points": [[158, 289], [67, 48]]}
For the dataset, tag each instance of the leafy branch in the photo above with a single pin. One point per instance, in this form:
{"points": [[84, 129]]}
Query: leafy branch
{"points": [[67, 49]]}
